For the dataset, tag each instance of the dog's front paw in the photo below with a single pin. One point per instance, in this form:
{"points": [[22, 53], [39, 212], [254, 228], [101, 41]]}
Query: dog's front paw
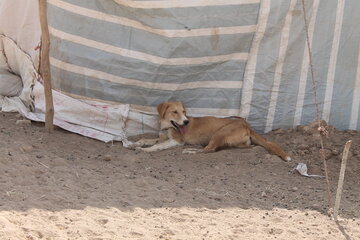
{"points": [[136, 145], [141, 143], [142, 149], [131, 146]]}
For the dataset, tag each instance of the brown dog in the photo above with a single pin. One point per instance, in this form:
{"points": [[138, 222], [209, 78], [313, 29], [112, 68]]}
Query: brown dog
{"points": [[211, 132]]}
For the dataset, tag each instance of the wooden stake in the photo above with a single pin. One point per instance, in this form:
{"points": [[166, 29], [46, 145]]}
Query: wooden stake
{"points": [[341, 178], [45, 66]]}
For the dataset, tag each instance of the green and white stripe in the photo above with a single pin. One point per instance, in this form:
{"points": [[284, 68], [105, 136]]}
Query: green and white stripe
{"points": [[147, 52], [278, 90]]}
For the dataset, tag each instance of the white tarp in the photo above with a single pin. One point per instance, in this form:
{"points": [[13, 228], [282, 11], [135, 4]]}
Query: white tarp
{"points": [[19, 20], [104, 122]]}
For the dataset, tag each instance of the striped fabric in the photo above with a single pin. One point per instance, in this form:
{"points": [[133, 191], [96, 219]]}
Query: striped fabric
{"points": [[147, 52], [232, 57], [278, 88]]}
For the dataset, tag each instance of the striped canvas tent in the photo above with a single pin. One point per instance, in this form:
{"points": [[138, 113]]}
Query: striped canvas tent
{"points": [[278, 88], [120, 58]]}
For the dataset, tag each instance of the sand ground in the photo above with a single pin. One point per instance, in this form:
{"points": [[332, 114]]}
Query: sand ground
{"points": [[65, 186]]}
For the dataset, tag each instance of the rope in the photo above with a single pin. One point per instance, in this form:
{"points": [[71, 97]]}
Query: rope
{"points": [[321, 129]]}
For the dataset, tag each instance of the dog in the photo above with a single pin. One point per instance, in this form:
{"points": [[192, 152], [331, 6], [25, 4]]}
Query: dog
{"points": [[176, 128]]}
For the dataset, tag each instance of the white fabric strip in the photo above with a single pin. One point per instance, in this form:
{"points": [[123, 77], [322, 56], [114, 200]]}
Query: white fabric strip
{"points": [[162, 32], [151, 85], [182, 3], [284, 42], [333, 59], [220, 112], [305, 65], [144, 56], [195, 112], [356, 99], [249, 76]]}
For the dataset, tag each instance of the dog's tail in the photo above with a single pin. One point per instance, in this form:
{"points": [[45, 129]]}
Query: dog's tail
{"points": [[270, 146]]}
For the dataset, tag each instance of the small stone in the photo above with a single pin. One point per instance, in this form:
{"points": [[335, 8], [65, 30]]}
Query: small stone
{"points": [[168, 200], [294, 189], [169, 232], [272, 158], [279, 131], [316, 136], [103, 221], [315, 124], [356, 152], [107, 157], [263, 194], [23, 122], [303, 146], [305, 130], [328, 153], [26, 148], [316, 207], [335, 152]]}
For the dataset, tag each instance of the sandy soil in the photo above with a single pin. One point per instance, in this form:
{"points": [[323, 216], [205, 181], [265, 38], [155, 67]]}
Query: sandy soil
{"points": [[64, 186]]}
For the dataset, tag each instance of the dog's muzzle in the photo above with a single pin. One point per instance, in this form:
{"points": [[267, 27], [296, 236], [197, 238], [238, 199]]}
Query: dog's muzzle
{"points": [[180, 128]]}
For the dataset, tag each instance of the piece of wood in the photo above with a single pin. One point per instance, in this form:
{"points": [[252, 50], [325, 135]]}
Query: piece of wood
{"points": [[45, 66], [341, 178]]}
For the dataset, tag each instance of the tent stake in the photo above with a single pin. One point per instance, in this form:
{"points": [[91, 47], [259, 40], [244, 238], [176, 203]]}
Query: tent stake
{"points": [[341, 178], [45, 66]]}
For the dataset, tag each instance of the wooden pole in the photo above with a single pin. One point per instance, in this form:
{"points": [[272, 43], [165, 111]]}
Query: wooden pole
{"points": [[341, 178], [45, 66]]}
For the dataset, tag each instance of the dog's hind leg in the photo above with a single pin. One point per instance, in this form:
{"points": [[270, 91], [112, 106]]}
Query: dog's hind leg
{"points": [[230, 136], [216, 142]]}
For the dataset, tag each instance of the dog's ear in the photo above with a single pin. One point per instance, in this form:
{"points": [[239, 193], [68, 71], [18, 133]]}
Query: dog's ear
{"points": [[182, 106], [161, 108]]}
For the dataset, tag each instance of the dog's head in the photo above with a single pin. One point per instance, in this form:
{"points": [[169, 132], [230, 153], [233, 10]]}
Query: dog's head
{"points": [[172, 115]]}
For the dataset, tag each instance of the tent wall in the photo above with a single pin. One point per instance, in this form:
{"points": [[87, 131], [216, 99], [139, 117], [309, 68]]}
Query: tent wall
{"points": [[278, 89], [193, 51], [234, 57]]}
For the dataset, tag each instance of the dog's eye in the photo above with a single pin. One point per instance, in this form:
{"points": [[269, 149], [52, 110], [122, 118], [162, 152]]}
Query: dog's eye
{"points": [[175, 112]]}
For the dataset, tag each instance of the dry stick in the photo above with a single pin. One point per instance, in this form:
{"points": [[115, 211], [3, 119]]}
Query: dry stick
{"points": [[322, 151], [43, 165], [45, 66], [341, 178]]}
